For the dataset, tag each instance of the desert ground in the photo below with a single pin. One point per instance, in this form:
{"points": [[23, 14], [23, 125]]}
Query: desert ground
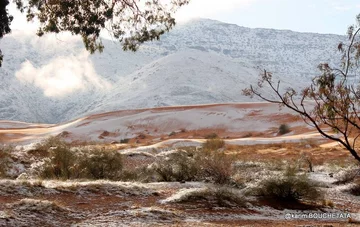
{"points": [[208, 165]]}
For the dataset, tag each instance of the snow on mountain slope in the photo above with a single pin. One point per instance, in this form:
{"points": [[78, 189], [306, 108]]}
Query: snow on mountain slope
{"points": [[182, 78], [203, 61], [21, 98], [280, 51]]}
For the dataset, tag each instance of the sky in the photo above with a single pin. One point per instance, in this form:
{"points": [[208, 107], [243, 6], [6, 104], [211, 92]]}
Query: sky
{"points": [[320, 16]]}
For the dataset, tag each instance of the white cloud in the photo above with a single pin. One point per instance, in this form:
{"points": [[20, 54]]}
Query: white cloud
{"points": [[62, 76], [209, 8]]}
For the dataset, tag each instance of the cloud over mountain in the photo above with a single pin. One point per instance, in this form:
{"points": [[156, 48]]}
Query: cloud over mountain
{"points": [[62, 75]]}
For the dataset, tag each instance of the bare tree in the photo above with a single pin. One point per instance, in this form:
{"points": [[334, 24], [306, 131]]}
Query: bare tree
{"points": [[335, 99]]}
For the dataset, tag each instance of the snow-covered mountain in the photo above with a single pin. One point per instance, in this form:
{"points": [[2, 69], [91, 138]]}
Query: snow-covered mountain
{"points": [[53, 79]]}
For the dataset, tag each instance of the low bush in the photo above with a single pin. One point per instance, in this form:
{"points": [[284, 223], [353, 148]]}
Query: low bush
{"points": [[348, 176], [213, 144], [172, 133], [289, 187], [60, 164], [101, 164], [283, 129], [126, 140], [5, 160], [179, 166], [215, 166], [141, 136], [211, 136], [49, 142], [87, 164], [227, 197], [139, 174], [355, 189], [192, 165], [212, 196]]}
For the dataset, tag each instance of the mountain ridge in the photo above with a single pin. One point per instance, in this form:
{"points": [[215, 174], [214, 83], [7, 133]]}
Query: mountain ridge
{"points": [[111, 78]]}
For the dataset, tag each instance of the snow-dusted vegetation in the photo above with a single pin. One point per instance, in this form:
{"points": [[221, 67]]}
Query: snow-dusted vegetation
{"points": [[215, 183]]}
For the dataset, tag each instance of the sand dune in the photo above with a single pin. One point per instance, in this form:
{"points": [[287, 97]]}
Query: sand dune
{"points": [[240, 123]]}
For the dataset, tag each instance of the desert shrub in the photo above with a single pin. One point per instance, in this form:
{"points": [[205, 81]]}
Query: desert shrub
{"points": [[49, 142], [249, 134], [126, 140], [182, 130], [228, 197], [283, 129], [348, 176], [355, 189], [219, 196], [88, 164], [179, 166], [5, 160], [140, 174], [211, 136], [305, 159], [191, 165], [172, 133], [60, 164], [101, 164], [215, 167], [213, 144], [289, 187], [141, 136]]}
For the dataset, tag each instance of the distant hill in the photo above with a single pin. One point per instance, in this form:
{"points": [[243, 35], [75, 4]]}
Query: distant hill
{"points": [[202, 61]]}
